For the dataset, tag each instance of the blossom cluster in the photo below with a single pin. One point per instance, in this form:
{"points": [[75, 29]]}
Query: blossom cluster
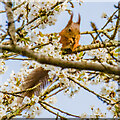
{"points": [[100, 54], [45, 10], [34, 110], [2, 66], [109, 89], [8, 102]]}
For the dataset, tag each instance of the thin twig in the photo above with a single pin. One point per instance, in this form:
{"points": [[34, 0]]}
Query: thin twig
{"points": [[116, 26], [115, 103], [106, 34], [13, 58], [39, 46], [96, 46], [55, 92], [5, 56], [15, 93], [108, 50], [14, 113], [11, 94], [29, 89], [48, 90], [14, 7], [3, 30], [59, 109], [51, 111], [88, 89], [99, 31], [110, 18]]}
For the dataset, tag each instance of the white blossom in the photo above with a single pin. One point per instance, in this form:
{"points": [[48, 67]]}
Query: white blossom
{"points": [[3, 110], [26, 100], [113, 85], [52, 100], [35, 99], [104, 15], [84, 115]]}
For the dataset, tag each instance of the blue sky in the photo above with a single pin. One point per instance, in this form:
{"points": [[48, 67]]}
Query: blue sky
{"points": [[89, 11]]}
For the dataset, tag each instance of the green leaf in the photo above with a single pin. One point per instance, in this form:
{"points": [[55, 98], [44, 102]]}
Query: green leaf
{"points": [[41, 34], [25, 40], [80, 79], [115, 54], [81, 54], [117, 50]]}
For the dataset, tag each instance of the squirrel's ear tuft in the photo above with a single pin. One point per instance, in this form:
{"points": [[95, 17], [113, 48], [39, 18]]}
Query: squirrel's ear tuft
{"points": [[70, 21], [79, 19]]}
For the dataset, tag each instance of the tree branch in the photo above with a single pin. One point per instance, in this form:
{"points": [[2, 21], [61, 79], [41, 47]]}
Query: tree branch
{"points": [[84, 87], [59, 109], [116, 26], [96, 46], [11, 25], [10, 94], [57, 92], [14, 7], [81, 65], [46, 108], [47, 91], [99, 31], [110, 18], [14, 113]]}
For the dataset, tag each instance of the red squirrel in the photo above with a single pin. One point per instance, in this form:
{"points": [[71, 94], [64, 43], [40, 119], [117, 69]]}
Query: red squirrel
{"points": [[70, 37]]}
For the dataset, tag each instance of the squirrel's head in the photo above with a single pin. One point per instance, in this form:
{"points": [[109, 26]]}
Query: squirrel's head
{"points": [[73, 28], [70, 35]]}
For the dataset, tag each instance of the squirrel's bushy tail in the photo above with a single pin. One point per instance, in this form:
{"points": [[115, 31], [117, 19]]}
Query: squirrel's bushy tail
{"points": [[38, 75]]}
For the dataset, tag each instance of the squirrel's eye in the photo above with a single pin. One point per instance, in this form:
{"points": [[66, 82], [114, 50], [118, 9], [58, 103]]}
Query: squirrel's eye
{"points": [[69, 30]]}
